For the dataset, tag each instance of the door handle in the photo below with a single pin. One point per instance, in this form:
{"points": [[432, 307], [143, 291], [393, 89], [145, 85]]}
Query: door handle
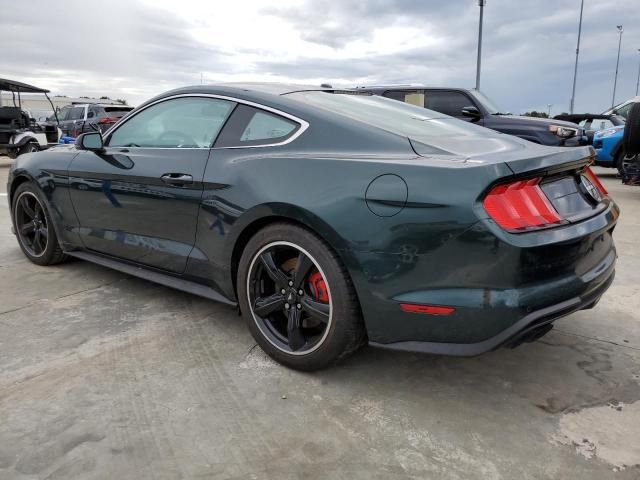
{"points": [[177, 178]]}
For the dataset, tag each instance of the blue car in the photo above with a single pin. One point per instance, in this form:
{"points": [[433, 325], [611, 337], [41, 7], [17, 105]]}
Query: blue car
{"points": [[608, 146]]}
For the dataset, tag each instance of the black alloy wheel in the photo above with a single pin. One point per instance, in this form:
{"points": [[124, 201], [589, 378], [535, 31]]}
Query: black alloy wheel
{"points": [[31, 224], [298, 299], [289, 297]]}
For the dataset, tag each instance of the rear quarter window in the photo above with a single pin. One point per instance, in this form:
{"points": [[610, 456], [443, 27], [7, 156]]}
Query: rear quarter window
{"points": [[250, 126]]}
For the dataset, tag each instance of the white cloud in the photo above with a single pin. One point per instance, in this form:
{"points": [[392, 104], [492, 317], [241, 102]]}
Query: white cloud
{"points": [[136, 49]]}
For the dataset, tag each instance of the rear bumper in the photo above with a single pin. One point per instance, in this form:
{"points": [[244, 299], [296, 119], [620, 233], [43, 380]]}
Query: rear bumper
{"points": [[502, 286], [521, 331]]}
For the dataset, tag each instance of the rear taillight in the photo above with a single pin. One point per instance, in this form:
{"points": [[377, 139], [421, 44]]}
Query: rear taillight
{"points": [[521, 206], [596, 181], [107, 120]]}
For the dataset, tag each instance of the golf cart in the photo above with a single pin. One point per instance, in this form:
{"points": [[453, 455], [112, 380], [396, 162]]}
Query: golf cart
{"points": [[19, 133]]}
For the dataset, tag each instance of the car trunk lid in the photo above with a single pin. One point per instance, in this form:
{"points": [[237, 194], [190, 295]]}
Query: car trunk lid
{"points": [[562, 174], [519, 155]]}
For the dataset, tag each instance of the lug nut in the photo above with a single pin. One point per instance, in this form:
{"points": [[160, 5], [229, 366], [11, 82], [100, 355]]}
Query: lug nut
{"points": [[287, 306], [298, 306], [290, 283], [283, 291], [300, 292]]}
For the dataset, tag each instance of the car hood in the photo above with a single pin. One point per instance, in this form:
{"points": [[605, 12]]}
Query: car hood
{"points": [[519, 155], [519, 119]]}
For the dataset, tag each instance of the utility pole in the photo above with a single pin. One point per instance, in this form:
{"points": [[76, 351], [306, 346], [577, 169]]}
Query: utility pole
{"points": [[481, 4], [615, 80], [575, 69], [638, 82], [549, 105]]}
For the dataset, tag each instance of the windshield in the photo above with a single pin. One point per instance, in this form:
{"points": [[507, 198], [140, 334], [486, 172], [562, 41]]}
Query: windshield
{"points": [[488, 104], [390, 115], [41, 114]]}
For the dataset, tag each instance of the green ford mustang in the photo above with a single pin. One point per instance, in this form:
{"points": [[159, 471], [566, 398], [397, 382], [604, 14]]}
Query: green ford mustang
{"points": [[330, 219]]}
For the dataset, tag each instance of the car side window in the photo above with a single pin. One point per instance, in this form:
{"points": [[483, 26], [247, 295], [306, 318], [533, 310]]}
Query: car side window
{"points": [[76, 113], [412, 97], [249, 126], [63, 114], [187, 122], [449, 103], [624, 110]]}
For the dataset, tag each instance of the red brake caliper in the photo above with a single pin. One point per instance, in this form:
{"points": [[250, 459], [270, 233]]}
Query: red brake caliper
{"points": [[318, 287]]}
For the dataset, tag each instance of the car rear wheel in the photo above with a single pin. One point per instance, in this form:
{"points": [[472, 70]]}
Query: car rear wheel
{"points": [[34, 229], [298, 299], [631, 137], [619, 161]]}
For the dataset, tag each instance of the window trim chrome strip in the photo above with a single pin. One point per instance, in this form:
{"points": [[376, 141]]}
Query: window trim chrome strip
{"points": [[303, 124]]}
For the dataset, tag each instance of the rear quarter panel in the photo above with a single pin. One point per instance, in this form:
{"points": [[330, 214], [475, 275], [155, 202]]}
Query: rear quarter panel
{"points": [[325, 190]]}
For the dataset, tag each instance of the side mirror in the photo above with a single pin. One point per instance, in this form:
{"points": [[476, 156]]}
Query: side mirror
{"points": [[471, 112], [90, 141]]}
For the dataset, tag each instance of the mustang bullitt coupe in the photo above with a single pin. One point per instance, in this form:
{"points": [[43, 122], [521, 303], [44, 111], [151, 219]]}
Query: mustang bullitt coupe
{"points": [[331, 219]]}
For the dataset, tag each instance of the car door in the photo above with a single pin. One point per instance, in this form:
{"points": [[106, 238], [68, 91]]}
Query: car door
{"points": [[89, 124], [73, 121], [63, 117], [139, 199]]}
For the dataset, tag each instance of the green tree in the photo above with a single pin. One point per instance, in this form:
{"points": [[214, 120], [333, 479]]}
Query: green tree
{"points": [[535, 113]]}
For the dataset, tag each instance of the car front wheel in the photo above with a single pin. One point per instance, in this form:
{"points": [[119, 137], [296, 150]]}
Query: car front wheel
{"points": [[298, 299], [34, 228]]}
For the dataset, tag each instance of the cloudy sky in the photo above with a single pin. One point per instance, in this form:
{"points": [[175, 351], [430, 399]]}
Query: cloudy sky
{"points": [[135, 49]]}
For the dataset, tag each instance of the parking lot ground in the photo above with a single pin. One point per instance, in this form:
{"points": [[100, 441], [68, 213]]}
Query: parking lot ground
{"points": [[105, 376]]}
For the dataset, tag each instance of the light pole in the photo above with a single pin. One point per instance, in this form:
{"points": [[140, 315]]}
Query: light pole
{"points": [[615, 80], [481, 3], [638, 81], [575, 69], [549, 105]]}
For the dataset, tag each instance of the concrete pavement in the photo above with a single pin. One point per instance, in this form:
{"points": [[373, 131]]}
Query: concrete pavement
{"points": [[105, 376]]}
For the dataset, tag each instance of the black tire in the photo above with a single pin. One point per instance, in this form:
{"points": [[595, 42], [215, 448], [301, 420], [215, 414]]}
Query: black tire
{"points": [[344, 332], [631, 136], [28, 147], [618, 160], [51, 253]]}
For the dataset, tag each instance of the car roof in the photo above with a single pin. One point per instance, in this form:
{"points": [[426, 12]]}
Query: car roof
{"points": [[270, 94], [635, 99], [272, 87], [412, 86]]}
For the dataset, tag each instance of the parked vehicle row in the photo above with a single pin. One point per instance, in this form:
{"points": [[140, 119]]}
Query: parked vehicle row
{"points": [[332, 219], [605, 132], [80, 118]]}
